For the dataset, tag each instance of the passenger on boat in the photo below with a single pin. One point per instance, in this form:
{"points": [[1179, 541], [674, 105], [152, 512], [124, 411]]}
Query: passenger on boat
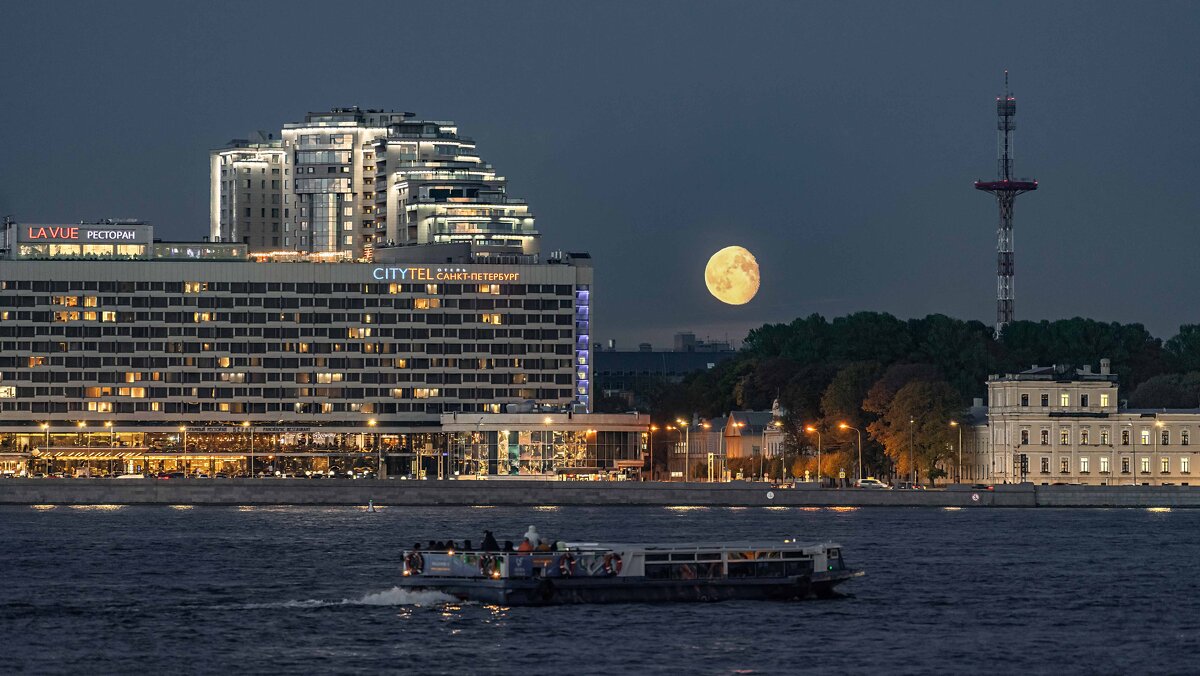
{"points": [[489, 542], [466, 545], [508, 546], [543, 546], [525, 546], [449, 545]]}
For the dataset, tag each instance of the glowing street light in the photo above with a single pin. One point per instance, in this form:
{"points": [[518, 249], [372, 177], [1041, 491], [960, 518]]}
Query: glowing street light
{"points": [[958, 477], [844, 426], [813, 430]]}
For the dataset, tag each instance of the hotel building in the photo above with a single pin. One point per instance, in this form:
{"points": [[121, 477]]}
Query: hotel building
{"points": [[117, 347]]}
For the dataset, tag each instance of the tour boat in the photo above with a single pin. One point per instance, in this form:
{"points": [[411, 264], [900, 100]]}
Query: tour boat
{"points": [[628, 573]]}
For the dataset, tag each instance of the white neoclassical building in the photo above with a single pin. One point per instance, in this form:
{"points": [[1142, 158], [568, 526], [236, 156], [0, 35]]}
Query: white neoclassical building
{"points": [[1049, 425]]}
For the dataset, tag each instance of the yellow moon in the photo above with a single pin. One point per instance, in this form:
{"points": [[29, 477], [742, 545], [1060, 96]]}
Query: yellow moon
{"points": [[732, 275]]}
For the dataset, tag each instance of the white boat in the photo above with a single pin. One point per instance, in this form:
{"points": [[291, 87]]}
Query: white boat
{"points": [[625, 573]]}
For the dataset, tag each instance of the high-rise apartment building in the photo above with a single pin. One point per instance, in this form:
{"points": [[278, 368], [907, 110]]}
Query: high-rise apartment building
{"points": [[249, 189], [349, 181], [331, 159], [431, 187]]}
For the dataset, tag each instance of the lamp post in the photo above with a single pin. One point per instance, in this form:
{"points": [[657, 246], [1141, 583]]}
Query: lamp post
{"points": [[250, 461], [958, 473], [848, 427], [1157, 434], [378, 449], [687, 446], [813, 430], [46, 445], [108, 426], [912, 468], [653, 471]]}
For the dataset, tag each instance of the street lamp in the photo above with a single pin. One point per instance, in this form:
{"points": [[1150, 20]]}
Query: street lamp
{"points": [[653, 472], [813, 430], [378, 449], [912, 468], [250, 464], [687, 445], [1157, 434], [958, 474], [848, 427]]}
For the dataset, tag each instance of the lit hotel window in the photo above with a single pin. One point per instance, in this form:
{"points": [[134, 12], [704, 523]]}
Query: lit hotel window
{"points": [[8, 392], [108, 316], [1064, 399], [37, 361], [1145, 437], [1104, 400]]}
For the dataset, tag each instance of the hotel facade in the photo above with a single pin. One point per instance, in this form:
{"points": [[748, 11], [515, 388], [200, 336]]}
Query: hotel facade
{"points": [[192, 357]]}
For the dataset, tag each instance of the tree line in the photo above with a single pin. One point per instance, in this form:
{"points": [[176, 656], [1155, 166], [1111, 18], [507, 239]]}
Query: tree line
{"points": [[906, 380]]}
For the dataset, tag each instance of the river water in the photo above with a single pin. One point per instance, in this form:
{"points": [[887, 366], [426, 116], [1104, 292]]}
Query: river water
{"points": [[296, 589]]}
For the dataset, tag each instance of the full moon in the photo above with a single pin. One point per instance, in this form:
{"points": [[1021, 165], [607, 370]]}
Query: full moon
{"points": [[732, 275]]}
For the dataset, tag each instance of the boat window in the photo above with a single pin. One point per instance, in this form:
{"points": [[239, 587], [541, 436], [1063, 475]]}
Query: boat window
{"points": [[798, 567], [658, 571], [769, 568], [683, 571], [708, 556], [770, 555], [741, 556], [690, 556], [741, 569], [657, 557]]}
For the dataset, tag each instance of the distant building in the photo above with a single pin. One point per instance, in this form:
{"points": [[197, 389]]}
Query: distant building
{"points": [[431, 187], [249, 196], [626, 373], [1069, 428], [346, 182]]}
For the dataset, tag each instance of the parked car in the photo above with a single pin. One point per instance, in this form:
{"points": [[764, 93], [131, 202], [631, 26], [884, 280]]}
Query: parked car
{"points": [[871, 483], [909, 486]]}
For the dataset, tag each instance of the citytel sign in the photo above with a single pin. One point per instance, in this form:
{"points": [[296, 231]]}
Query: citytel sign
{"points": [[76, 233]]}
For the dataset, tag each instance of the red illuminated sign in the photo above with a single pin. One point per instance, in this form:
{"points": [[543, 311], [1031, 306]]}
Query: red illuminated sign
{"points": [[54, 232]]}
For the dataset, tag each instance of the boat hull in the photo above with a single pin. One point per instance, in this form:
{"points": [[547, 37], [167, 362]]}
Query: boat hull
{"points": [[568, 590]]}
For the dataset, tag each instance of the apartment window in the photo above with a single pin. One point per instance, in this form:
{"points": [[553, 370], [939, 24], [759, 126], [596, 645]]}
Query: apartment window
{"points": [[348, 240], [1145, 463], [1064, 437], [1124, 465], [1085, 465], [1104, 400], [1024, 399], [1064, 399], [1083, 400], [1104, 468], [1164, 437], [1145, 437], [1185, 465], [347, 225], [1045, 437], [1064, 465], [1084, 437], [1045, 400], [1124, 437], [1165, 465], [1024, 437], [1184, 438], [1104, 439], [1045, 465]]}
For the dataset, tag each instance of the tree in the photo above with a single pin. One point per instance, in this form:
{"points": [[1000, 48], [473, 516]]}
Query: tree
{"points": [[930, 405], [1183, 350]]}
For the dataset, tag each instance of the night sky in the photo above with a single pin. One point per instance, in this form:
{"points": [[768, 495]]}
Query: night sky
{"points": [[836, 141]]}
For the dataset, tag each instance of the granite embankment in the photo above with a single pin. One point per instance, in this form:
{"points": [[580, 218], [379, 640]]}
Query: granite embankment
{"points": [[509, 492]]}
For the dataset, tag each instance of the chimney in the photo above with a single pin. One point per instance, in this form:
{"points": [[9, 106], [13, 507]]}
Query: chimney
{"points": [[1105, 367]]}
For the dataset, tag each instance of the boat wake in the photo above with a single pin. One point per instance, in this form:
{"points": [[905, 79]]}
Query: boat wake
{"points": [[391, 597]]}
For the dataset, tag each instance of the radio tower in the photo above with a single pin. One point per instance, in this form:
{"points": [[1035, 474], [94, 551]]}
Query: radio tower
{"points": [[1005, 188]]}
